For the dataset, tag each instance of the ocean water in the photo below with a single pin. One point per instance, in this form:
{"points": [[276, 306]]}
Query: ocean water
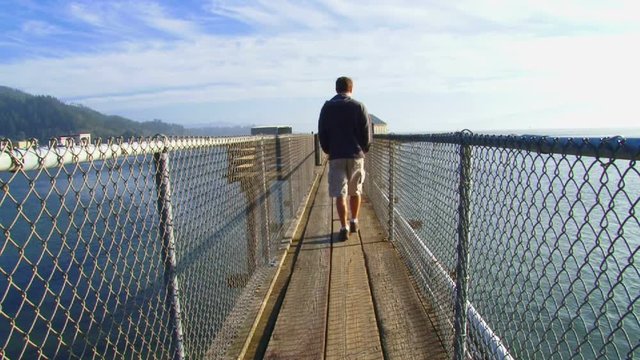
{"points": [[554, 244], [554, 250], [561, 242], [81, 259], [70, 247]]}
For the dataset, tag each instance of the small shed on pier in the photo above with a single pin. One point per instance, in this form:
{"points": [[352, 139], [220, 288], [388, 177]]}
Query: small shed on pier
{"points": [[271, 130], [379, 126]]}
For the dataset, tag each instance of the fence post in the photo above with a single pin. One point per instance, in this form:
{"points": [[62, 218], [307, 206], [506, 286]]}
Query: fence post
{"points": [[265, 206], [460, 321], [318, 150], [172, 299], [391, 190], [289, 177]]}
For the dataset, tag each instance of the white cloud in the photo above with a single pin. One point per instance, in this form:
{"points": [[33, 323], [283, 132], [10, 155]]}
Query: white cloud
{"points": [[491, 62], [40, 28], [132, 18], [596, 13], [280, 14], [156, 17], [84, 13]]}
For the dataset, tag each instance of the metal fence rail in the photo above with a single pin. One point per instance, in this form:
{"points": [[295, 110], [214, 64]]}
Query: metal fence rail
{"points": [[151, 248], [527, 247]]}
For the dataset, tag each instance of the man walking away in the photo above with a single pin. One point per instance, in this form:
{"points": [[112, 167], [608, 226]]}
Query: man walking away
{"points": [[345, 134]]}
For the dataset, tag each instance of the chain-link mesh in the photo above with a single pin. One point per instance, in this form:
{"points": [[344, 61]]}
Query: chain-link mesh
{"points": [[425, 208], [554, 239], [88, 233]]}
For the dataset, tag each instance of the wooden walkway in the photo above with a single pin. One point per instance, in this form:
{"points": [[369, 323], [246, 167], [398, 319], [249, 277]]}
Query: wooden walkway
{"points": [[343, 300]]}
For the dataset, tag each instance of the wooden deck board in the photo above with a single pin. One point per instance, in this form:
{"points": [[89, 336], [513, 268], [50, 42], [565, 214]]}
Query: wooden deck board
{"points": [[352, 329], [256, 344], [299, 332], [350, 300], [406, 330]]}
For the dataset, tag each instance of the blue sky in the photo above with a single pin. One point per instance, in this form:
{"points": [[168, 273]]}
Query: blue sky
{"points": [[419, 65]]}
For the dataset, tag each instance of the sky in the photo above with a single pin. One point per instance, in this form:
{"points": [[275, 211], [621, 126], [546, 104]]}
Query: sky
{"points": [[421, 66]]}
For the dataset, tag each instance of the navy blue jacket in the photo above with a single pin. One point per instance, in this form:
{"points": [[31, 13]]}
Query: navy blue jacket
{"points": [[344, 128]]}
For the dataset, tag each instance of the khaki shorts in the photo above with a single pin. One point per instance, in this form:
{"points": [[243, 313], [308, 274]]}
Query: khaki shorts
{"points": [[346, 177]]}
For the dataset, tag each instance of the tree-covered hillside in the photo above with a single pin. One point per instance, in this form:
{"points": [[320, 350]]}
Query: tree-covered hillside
{"points": [[24, 116]]}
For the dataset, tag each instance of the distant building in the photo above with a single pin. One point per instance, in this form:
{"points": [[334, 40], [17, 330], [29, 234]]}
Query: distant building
{"points": [[379, 126], [271, 130], [76, 138]]}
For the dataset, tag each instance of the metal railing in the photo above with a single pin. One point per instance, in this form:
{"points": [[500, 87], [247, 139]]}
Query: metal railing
{"points": [[527, 247], [151, 248]]}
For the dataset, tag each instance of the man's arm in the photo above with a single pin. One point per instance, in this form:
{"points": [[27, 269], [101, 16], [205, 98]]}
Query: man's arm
{"points": [[322, 132], [366, 136]]}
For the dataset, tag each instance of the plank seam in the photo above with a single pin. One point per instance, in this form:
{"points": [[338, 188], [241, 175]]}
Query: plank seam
{"points": [[304, 219], [373, 299], [421, 298], [326, 320]]}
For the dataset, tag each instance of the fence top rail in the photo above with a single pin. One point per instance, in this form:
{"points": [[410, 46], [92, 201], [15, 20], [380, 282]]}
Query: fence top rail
{"points": [[617, 147], [57, 154]]}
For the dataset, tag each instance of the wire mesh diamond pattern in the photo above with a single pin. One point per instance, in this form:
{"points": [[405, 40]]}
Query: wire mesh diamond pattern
{"points": [[554, 239], [84, 271]]}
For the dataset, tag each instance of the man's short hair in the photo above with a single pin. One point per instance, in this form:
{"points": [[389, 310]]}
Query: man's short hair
{"points": [[344, 84]]}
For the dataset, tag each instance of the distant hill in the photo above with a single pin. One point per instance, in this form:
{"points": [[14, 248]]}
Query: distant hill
{"points": [[24, 116]]}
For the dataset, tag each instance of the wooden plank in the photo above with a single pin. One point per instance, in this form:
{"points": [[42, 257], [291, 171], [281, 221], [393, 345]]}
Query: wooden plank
{"points": [[405, 327], [352, 331], [257, 340], [299, 332], [323, 197]]}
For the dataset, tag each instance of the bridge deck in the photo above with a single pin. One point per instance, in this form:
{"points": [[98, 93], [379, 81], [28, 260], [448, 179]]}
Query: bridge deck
{"points": [[339, 300]]}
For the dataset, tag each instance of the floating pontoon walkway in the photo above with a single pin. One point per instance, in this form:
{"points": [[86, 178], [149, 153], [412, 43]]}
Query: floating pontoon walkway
{"points": [[343, 300]]}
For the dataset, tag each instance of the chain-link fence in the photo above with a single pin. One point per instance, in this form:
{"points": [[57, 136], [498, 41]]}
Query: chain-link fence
{"points": [[150, 248], [527, 247]]}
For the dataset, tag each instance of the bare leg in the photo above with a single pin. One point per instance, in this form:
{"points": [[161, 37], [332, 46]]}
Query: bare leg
{"points": [[341, 206], [354, 202]]}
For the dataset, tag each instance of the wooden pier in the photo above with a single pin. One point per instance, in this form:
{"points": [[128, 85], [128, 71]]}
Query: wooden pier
{"points": [[342, 300]]}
